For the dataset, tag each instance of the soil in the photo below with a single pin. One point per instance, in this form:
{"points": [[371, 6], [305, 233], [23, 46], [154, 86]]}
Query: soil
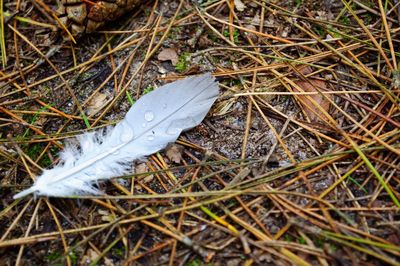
{"points": [[257, 227]]}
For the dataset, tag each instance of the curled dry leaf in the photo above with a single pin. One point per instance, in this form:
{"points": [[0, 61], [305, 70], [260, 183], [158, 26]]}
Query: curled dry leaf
{"points": [[174, 153], [239, 5], [396, 79], [106, 216], [141, 169], [97, 103], [223, 107], [251, 35], [168, 54], [92, 255], [38, 119], [313, 112]]}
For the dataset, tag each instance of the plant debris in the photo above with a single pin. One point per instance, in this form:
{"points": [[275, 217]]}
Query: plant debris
{"points": [[297, 163], [315, 105], [168, 54]]}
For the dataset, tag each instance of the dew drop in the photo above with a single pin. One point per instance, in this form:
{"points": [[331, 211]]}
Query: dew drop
{"points": [[150, 137], [148, 116], [164, 106], [127, 135], [144, 125]]}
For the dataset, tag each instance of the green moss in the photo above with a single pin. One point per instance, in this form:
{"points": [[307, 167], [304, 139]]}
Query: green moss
{"points": [[320, 31], [183, 61], [148, 89], [302, 241], [319, 242], [34, 118], [34, 151], [53, 256], [288, 238], [235, 35], [345, 20], [45, 162], [73, 257], [174, 33], [119, 252], [367, 19], [195, 262], [213, 37]]}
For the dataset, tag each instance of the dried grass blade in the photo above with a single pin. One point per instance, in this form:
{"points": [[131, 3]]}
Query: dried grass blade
{"points": [[2, 37]]}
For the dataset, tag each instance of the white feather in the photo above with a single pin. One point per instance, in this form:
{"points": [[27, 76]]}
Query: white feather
{"points": [[155, 120]]}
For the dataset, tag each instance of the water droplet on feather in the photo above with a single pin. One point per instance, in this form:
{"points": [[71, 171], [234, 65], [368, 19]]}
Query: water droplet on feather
{"points": [[127, 135], [148, 116]]}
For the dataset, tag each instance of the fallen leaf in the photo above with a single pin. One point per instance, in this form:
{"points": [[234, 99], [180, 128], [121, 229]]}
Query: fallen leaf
{"points": [[223, 107], [108, 262], [97, 103], [393, 238], [105, 216], [204, 42], [174, 153], [141, 169], [239, 5], [38, 119], [396, 79], [90, 256], [313, 112], [168, 54], [251, 35]]}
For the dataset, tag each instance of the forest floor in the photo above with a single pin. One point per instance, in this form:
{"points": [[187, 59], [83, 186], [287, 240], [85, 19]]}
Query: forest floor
{"points": [[296, 163]]}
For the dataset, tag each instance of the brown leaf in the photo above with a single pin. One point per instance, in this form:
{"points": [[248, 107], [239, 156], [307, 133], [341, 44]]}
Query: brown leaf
{"points": [[106, 216], [141, 169], [174, 153], [223, 107], [38, 120], [168, 54], [393, 238], [90, 255], [97, 103], [251, 35], [313, 112], [239, 5]]}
